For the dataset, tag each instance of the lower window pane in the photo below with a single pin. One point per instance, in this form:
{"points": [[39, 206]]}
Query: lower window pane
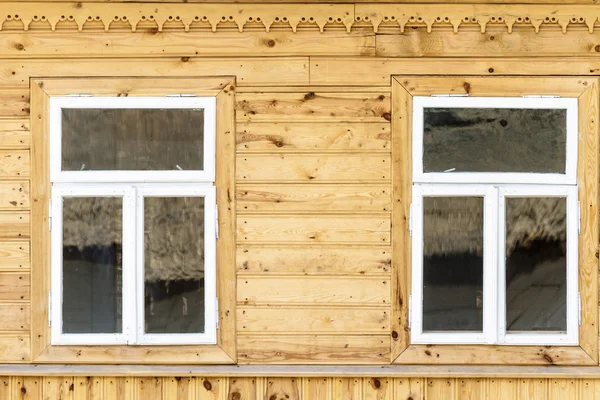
{"points": [[453, 264], [174, 264], [92, 268], [536, 266]]}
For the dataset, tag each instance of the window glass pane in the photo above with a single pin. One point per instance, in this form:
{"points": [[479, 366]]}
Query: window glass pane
{"points": [[453, 264], [494, 140], [174, 264], [92, 265], [132, 139], [536, 265]]}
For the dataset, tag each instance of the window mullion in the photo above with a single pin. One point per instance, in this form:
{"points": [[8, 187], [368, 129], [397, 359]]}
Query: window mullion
{"points": [[490, 266], [129, 297]]}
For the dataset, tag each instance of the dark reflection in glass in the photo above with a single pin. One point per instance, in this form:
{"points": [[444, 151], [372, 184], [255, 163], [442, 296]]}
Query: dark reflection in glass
{"points": [[132, 139], [92, 265], [536, 265], [453, 264], [494, 140], [174, 264]]}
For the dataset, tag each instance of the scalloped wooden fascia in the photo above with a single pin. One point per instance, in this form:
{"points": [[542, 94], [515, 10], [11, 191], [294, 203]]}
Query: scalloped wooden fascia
{"points": [[482, 14], [186, 14], [320, 15]]}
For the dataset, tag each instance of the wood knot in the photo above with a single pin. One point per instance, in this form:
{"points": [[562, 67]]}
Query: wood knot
{"points": [[467, 87], [78, 5], [309, 96], [491, 70], [381, 97], [271, 43], [236, 396], [394, 335], [427, 352], [273, 397], [597, 48], [23, 390], [376, 383], [71, 387], [185, 59], [178, 378], [387, 116], [548, 358], [409, 398], [597, 255], [207, 385], [19, 47]]}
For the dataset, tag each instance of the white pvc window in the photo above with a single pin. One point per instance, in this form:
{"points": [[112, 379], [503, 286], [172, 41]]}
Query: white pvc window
{"points": [[133, 251], [494, 252]]}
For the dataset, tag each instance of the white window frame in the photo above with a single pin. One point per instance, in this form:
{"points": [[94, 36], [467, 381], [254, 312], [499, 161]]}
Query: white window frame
{"points": [[128, 257], [422, 102], [495, 187], [210, 280], [209, 105], [489, 254], [133, 186]]}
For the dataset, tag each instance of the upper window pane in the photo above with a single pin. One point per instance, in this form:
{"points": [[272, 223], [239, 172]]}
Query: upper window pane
{"points": [[101, 139], [494, 140]]}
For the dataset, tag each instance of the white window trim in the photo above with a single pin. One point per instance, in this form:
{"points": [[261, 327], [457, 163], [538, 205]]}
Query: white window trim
{"points": [[210, 280], [128, 258], [571, 337], [488, 335], [206, 103], [422, 102]]}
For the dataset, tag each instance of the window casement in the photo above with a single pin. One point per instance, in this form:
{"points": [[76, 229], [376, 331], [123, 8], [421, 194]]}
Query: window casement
{"points": [[494, 221], [133, 220], [135, 250], [495, 227]]}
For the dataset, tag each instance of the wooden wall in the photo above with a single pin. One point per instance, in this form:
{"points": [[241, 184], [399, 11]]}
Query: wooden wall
{"points": [[374, 388]]}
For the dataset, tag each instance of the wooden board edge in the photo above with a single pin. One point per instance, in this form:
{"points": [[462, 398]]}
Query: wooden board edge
{"points": [[226, 244], [401, 136], [587, 176]]}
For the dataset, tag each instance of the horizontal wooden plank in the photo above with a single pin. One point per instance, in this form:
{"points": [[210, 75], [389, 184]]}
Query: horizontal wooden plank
{"points": [[321, 349], [315, 136], [14, 348], [14, 317], [14, 195], [255, 71], [312, 198], [496, 41], [374, 229], [310, 260], [14, 286], [312, 290], [14, 102], [311, 107], [350, 168], [14, 133], [192, 43], [491, 86], [377, 71], [14, 255], [122, 87], [14, 163], [312, 320], [14, 225]]}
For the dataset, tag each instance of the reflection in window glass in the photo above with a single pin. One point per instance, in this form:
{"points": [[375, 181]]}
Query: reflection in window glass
{"points": [[132, 139], [92, 267], [494, 140], [453, 264], [536, 265], [174, 264]]}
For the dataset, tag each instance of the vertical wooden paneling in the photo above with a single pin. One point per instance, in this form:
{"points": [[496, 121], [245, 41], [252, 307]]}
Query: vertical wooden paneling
{"points": [[117, 388], [440, 389], [242, 389], [500, 389], [561, 389], [282, 389], [378, 389], [347, 389], [317, 388], [408, 388], [27, 388], [5, 392], [533, 389], [149, 388], [212, 388], [470, 389], [58, 388], [178, 388]]}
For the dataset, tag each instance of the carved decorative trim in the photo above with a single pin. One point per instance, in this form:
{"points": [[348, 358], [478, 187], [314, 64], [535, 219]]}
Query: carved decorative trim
{"points": [[316, 15]]}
